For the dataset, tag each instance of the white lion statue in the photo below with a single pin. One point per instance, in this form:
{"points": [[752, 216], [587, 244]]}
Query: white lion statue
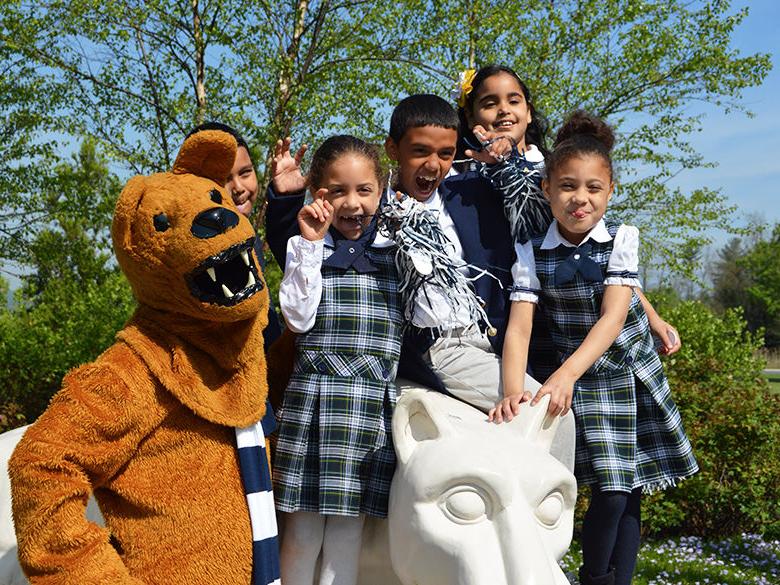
{"points": [[472, 503]]}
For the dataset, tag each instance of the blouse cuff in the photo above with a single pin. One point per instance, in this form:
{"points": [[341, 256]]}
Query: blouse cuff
{"points": [[622, 281], [521, 293], [306, 252]]}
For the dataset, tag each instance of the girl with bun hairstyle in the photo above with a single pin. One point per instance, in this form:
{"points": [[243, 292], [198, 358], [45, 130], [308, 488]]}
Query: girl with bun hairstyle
{"points": [[584, 270]]}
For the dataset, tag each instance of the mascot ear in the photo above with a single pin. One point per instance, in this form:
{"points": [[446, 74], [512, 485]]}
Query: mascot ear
{"points": [[208, 153], [126, 207]]}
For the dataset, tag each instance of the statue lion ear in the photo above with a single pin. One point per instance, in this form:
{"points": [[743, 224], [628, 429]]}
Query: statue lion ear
{"points": [[208, 153], [554, 434], [417, 420]]}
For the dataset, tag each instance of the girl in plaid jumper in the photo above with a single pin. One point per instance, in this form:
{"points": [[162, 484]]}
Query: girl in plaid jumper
{"points": [[334, 455], [584, 269]]}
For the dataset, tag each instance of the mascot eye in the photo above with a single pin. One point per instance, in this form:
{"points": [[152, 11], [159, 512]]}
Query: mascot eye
{"points": [[465, 505], [161, 222], [216, 196], [549, 511]]}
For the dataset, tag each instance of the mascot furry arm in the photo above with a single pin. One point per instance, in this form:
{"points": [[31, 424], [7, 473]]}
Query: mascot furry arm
{"points": [[150, 426]]}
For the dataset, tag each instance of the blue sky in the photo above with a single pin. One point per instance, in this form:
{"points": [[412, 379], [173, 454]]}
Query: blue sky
{"points": [[747, 150]]}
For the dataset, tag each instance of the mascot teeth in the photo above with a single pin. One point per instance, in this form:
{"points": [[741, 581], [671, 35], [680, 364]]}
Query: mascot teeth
{"points": [[227, 278]]}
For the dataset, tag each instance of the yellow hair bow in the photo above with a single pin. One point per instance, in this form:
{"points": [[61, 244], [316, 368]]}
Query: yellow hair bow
{"points": [[463, 86]]}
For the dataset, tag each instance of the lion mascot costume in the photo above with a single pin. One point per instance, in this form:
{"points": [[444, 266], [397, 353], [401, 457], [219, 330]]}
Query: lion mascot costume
{"points": [[166, 426]]}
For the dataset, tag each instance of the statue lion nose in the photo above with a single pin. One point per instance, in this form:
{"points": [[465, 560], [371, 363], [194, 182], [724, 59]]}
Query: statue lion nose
{"points": [[213, 222]]}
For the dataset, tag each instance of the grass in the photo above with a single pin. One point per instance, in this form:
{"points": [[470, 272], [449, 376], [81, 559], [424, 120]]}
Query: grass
{"points": [[689, 560]]}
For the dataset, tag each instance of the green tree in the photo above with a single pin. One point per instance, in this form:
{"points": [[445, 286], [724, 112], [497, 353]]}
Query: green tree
{"points": [[139, 74], [762, 267], [747, 276], [73, 298]]}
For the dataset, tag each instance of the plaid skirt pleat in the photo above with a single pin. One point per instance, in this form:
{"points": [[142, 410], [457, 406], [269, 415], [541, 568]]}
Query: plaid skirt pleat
{"points": [[334, 453], [629, 431]]}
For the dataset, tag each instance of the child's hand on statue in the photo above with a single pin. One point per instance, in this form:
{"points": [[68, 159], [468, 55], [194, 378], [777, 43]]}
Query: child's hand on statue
{"points": [[315, 219], [509, 407], [560, 387]]}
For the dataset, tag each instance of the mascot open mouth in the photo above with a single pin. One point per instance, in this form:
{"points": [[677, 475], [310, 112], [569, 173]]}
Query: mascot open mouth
{"points": [[227, 278]]}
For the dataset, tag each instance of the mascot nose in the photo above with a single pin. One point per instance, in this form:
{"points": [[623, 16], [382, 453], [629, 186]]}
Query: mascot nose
{"points": [[213, 222]]}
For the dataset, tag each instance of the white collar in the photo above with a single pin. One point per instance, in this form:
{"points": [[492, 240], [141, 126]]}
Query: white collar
{"points": [[380, 241], [533, 154], [553, 238]]}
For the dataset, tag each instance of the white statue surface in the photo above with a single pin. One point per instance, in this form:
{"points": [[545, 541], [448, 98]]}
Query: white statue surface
{"points": [[472, 503]]}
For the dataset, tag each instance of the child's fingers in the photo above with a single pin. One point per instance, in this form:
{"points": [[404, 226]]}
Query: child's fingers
{"points": [[515, 404], [480, 132], [320, 194], [539, 395], [301, 152], [328, 207], [278, 148], [286, 145], [322, 209], [398, 195]]}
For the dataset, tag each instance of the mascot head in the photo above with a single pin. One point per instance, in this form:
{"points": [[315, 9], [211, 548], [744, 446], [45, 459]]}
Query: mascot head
{"points": [[182, 243]]}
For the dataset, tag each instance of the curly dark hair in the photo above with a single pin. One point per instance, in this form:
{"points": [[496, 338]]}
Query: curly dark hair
{"points": [[582, 133]]}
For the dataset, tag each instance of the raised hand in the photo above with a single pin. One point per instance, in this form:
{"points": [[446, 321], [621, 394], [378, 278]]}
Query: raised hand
{"points": [[496, 146], [315, 219], [286, 176]]}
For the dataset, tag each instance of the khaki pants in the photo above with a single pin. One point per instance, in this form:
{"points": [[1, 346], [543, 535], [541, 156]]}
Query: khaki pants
{"points": [[469, 369]]}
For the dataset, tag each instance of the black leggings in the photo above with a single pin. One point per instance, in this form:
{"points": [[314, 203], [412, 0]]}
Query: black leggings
{"points": [[610, 533]]}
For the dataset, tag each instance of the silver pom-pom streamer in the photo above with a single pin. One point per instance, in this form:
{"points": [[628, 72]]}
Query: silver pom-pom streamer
{"points": [[520, 184], [425, 256]]}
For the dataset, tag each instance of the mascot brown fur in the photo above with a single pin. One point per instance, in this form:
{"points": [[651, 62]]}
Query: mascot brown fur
{"points": [[148, 426]]}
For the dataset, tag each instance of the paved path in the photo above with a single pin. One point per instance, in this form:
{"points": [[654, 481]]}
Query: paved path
{"points": [[771, 372]]}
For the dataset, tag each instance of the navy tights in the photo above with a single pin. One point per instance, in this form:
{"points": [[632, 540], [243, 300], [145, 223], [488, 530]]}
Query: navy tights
{"points": [[610, 533]]}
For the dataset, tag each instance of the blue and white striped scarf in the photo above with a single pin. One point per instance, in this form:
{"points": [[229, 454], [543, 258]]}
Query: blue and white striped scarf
{"points": [[256, 477]]}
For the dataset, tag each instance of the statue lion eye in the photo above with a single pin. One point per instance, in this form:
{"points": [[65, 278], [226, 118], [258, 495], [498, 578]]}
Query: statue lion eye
{"points": [[550, 510], [161, 222], [465, 505]]}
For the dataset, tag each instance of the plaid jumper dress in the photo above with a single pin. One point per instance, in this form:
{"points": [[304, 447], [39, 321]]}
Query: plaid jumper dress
{"points": [[629, 431], [334, 453]]}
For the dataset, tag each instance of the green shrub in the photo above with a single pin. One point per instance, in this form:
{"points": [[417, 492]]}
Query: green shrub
{"points": [[733, 423], [69, 324]]}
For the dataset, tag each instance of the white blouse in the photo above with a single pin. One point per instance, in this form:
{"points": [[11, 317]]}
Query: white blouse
{"points": [[300, 292], [624, 258]]}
